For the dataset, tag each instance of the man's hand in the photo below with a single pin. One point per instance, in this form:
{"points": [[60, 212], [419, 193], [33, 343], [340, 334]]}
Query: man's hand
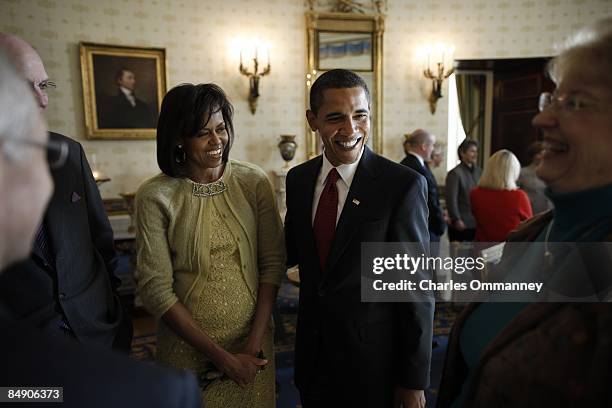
{"points": [[459, 225], [405, 398]]}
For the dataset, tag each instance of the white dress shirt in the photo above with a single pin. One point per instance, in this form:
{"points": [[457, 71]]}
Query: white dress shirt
{"points": [[129, 95], [346, 172], [418, 157]]}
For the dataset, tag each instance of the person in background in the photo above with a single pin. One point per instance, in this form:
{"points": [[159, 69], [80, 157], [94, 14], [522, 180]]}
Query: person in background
{"points": [[552, 354], [210, 252], [459, 182], [68, 285], [90, 376], [531, 183], [499, 206], [419, 146], [436, 157]]}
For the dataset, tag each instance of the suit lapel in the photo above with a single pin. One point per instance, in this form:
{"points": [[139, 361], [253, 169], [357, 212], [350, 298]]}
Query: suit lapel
{"points": [[362, 189], [305, 201], [59, 204]]}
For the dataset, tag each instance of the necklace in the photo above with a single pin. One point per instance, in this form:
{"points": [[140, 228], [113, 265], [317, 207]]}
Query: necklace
{"points": [[209, 189], [548, 255]]}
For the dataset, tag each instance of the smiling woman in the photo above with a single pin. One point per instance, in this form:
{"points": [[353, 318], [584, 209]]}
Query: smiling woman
{"points": [[551, 354], [576, 120], [210, 252]]}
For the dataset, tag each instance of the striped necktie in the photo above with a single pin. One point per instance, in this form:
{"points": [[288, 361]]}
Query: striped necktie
{"points": [[42, 242]]}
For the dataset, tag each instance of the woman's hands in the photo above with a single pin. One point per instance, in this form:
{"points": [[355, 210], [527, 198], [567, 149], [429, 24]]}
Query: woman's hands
{"points": [[241, 368]]}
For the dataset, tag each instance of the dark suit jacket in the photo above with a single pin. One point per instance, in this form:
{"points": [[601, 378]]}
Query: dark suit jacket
{"points": [[122, 115], [91, 377], [356, 353], [82, 281], [436, 218], [549, 355]]}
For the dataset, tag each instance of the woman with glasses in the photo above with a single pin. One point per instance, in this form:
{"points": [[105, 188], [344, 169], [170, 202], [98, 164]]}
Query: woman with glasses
{"points": [[553, 354], [211, 252]]}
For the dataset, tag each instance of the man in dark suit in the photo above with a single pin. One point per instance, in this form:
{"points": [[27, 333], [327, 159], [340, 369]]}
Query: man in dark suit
{"points": [[90, 377], [68, 285], [126, 111], [348, 352], [419, 146]]}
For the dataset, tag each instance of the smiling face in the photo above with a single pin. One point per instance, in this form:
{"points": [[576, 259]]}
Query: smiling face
{"points": [[577, 143], [343, 123], [204, 151], [470, 155]]}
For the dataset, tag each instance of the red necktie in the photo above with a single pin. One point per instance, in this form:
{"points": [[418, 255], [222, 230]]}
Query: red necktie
{"points": [[325, 217]]}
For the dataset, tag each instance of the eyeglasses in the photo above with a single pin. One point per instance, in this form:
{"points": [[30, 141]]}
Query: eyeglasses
{"points": [[570, 102], [44, 86], [57, 151]]}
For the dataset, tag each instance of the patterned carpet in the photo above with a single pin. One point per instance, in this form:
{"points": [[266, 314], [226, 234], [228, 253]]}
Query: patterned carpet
{"points": [[143, 345]]}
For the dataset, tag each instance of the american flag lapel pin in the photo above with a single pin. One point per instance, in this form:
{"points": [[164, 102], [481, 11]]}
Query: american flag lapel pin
{"points": [[356, 201]]}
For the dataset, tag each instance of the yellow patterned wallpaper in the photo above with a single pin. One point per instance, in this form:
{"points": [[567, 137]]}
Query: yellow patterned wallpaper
{"points": [[199, 35]]}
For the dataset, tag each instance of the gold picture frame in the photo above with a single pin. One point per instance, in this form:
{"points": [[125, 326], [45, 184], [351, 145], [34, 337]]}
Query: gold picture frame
{"points": [[122, 90], [363, 36]]}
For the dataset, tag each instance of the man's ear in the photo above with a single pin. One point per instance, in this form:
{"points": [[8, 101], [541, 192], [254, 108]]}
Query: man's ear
{"points": [[311, 117]]}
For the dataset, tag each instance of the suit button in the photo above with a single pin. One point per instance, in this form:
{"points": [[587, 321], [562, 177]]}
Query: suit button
{"points": [[62, 296], [321, 292]]}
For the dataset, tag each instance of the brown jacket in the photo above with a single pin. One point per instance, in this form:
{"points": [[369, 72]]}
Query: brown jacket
{"points": [[550, 355]]}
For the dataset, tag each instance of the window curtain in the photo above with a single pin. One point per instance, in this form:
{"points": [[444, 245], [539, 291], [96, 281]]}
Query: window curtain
{"points": [[471, 94]]}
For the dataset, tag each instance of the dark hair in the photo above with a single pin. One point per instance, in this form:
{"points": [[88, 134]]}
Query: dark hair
{"points": [[183, 111], [336, 78], [465, 145], [120, 71]]}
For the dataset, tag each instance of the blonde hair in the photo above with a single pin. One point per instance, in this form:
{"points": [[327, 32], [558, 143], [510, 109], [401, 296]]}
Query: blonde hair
{"points": [[501, 171]]}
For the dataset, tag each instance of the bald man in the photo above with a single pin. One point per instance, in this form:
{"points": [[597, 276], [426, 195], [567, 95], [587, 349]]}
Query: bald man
{"points": [[418, 146], [90, 377], [68, 285]]}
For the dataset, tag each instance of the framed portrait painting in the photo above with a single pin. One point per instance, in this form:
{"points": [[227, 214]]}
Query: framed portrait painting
{"points": [[122, 90]]}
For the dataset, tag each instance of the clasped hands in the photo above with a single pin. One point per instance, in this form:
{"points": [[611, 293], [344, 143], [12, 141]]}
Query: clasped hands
{"points": [[243, 366]]}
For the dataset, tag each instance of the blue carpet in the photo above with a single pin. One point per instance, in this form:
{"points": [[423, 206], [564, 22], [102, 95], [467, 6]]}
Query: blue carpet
{"points": [[285, 317]]}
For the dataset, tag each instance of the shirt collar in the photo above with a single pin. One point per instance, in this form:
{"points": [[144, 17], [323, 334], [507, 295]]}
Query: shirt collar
{"points": [[469, 168], [126, 91], [346, 171], [419, 158]]}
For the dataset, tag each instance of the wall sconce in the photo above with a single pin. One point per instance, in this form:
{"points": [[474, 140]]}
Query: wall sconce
{"points": [[439, 58], [254, 76], [96, 172]]}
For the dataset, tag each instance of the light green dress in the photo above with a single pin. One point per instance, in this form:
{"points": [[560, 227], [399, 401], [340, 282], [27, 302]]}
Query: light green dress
{"points": [[211, 252], [224, 309]]}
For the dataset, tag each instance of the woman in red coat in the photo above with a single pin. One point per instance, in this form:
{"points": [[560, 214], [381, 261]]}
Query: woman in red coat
{"points": [[497, 203]]}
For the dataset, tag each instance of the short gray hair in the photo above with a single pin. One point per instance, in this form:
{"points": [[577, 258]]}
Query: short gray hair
{"points": [[17, 107], [592, 44]]}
